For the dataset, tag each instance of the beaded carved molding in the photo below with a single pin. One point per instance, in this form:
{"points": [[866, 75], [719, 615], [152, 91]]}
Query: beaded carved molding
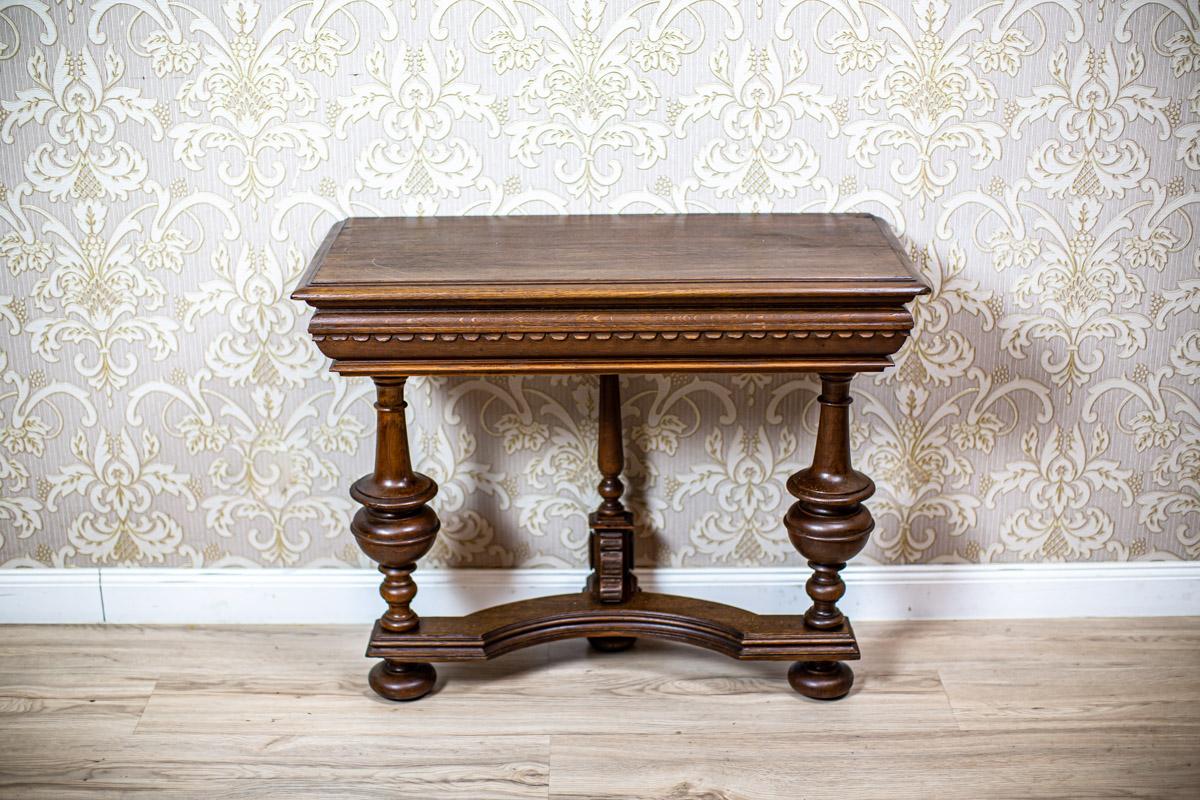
{"points": [[581, 336]]}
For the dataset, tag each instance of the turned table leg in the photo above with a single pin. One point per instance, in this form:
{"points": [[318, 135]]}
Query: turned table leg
{"points": [[828, 525], [611, 542], [394, 528]]}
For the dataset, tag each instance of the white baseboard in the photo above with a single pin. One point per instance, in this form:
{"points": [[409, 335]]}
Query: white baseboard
{"points": [[50, 595], [315, 596]]}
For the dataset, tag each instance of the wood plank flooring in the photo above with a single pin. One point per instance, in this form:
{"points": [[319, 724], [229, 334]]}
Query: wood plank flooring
{"points": [[1030, 709]]}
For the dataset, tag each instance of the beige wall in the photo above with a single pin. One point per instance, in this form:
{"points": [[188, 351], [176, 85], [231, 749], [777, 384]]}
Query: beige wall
{"points": [[168, 169]]}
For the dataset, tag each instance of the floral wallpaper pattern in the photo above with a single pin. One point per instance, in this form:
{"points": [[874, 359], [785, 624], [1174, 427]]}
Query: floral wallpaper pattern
{"points": [[167, 168]]}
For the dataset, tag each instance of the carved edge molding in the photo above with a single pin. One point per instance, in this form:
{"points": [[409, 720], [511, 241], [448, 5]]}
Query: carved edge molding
{"points": [[583, 336]]}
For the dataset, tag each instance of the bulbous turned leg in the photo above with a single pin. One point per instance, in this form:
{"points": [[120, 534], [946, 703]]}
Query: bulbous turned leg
{"points": [[394, 528], [828, 525]]}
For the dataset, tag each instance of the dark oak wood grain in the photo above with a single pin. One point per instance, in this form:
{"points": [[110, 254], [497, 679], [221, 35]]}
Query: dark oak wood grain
{"points": [[419, 260], [713, 626], [609, 294], [789, 292]]}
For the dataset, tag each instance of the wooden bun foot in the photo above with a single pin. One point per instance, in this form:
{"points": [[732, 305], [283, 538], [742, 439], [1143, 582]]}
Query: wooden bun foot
{"points": [[393, 680], [821, 680], [611, 644]]}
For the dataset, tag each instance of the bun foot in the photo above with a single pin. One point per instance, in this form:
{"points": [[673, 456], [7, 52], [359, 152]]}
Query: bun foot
{"points": [[821, 680], [611, 644], [393, 680]]}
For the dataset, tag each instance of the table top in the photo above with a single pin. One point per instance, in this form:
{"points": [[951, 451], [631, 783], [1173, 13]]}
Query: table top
{"points": [[705, 292], [606, 260]]}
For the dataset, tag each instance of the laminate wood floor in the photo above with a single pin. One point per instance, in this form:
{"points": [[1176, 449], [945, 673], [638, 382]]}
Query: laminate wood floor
{"points": [[1031, 709]]}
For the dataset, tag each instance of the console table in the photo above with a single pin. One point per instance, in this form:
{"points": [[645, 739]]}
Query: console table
{"points": [[821, 293]]}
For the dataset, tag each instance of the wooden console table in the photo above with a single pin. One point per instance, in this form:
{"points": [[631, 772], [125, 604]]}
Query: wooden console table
{"points": [[821, 293]]}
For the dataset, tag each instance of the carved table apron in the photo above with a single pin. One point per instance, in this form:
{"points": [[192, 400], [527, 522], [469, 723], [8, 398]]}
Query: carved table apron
{"points": [[821, 293]]}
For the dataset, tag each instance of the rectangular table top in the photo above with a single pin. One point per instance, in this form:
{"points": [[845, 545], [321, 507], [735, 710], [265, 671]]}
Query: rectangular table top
{"points": [[607, 260], [546, 294]]}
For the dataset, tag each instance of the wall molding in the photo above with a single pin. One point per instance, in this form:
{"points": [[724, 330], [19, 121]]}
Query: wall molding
{"points": [[316, 596]]}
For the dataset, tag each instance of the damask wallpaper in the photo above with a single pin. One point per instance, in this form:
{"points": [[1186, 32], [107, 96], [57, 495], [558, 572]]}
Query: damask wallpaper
{"points": [[167, 168]]}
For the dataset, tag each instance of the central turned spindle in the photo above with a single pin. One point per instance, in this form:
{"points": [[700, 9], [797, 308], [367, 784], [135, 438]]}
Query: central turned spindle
{"points": [[611, 542]]}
